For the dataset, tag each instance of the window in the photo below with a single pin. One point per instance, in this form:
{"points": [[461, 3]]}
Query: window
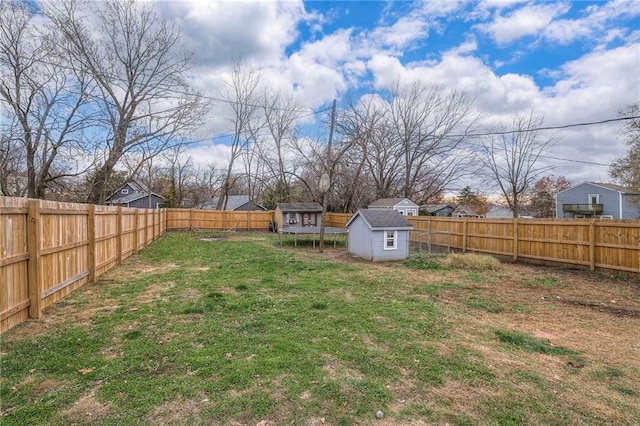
{"points": [[594, 198], [411, 212], [390, 240], [293, 217], [125, 191]]}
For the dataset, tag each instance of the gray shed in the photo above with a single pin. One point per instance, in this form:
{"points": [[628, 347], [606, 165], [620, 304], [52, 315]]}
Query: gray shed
{"points": [[379, 234]]}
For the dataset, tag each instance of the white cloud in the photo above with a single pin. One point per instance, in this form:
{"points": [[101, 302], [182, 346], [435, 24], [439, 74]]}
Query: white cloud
{"points": [[593, 24], [525, 21], [221, 32]]}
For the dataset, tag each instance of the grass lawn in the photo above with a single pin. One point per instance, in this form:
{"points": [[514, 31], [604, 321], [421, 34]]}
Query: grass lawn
{"points": [[242, 330]]}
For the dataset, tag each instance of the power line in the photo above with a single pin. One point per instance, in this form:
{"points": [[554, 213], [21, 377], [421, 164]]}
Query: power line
{"points": [[535, 129], [575, 161]]}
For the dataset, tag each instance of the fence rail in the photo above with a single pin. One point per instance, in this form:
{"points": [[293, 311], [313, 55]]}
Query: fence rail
{"points": [[48, 249]]}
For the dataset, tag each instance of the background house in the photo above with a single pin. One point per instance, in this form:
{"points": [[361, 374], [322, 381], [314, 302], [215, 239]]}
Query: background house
{"points": [[135, 194], [298, 214], [465, 211], [379, 234], [402, 205], [236, 203], [604, 200], [496, 211], [443, 210]]}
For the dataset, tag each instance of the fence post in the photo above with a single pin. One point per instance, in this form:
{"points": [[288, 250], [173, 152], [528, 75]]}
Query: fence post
{"points": [[464, 235], [136, 234], [516, 238], [153, 225], [91, 250], [592, 245], [119, 235], [146, 228], [190, 219], [33, 271]]}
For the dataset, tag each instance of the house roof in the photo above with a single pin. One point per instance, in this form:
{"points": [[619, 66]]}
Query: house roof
{"points": [[140, 190], [614, 187], [130, 198], [465, 211], [611, 186], [389, 202], [233, 201], [382, 219], [435, 207], [299, 207]]}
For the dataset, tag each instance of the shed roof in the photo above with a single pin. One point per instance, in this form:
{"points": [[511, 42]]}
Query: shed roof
{"points": [[389, 202], [382, 219], [299, 207]]}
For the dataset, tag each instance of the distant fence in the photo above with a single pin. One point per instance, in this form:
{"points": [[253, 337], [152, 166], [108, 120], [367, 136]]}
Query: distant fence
{"points": [[593, 244], [218, 220], [49, 249]]}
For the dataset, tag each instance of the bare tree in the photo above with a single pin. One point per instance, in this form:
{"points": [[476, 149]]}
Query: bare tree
{"points": [[11, 161], [43, 97], [626, 169], [241, 94], [138, 65], [372, 158], [280, 113], [411, 143], [512, 159], [177, 175], [428, 124]]}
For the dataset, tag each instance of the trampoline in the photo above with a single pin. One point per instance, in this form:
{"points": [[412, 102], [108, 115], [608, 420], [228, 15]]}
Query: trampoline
{"points": [[310, 230]]}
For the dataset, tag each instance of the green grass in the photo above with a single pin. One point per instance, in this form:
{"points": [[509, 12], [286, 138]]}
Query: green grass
{"points": [[484, 304], [240, 330], [542, 281], [529, 343]]}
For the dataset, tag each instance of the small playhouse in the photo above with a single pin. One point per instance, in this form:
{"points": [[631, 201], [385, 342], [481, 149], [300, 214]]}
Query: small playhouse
{"points": [[379, 234], [298, 215]]}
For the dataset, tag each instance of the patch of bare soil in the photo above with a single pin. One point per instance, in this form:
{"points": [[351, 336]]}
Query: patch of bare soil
{"points": [[86, 410], [178, 411]]}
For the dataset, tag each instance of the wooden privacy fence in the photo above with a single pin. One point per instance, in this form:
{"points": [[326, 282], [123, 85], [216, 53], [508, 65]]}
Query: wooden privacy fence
{"points": [[195, 219], [593, 244], [48, 249]]}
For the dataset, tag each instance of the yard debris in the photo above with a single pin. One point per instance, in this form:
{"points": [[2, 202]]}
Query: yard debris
{"points": [[379, 414], [262, 423], [228, 355], [86, 371]]}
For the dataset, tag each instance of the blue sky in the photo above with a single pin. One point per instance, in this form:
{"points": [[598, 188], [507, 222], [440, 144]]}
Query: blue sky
{"points": [[569, 61]]}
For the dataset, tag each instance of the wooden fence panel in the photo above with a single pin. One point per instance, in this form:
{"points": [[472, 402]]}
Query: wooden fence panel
{"points": [[106, 235], [49, 249], [217, 220], [128, 232], [14, 256], [64, 241], [617, 245]]}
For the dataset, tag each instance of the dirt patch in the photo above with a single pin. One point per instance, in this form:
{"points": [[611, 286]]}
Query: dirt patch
{"points": [[178, 411], [86, 410]]}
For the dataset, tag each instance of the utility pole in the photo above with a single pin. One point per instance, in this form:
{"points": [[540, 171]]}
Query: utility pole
{"points": [[326, 183]]}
